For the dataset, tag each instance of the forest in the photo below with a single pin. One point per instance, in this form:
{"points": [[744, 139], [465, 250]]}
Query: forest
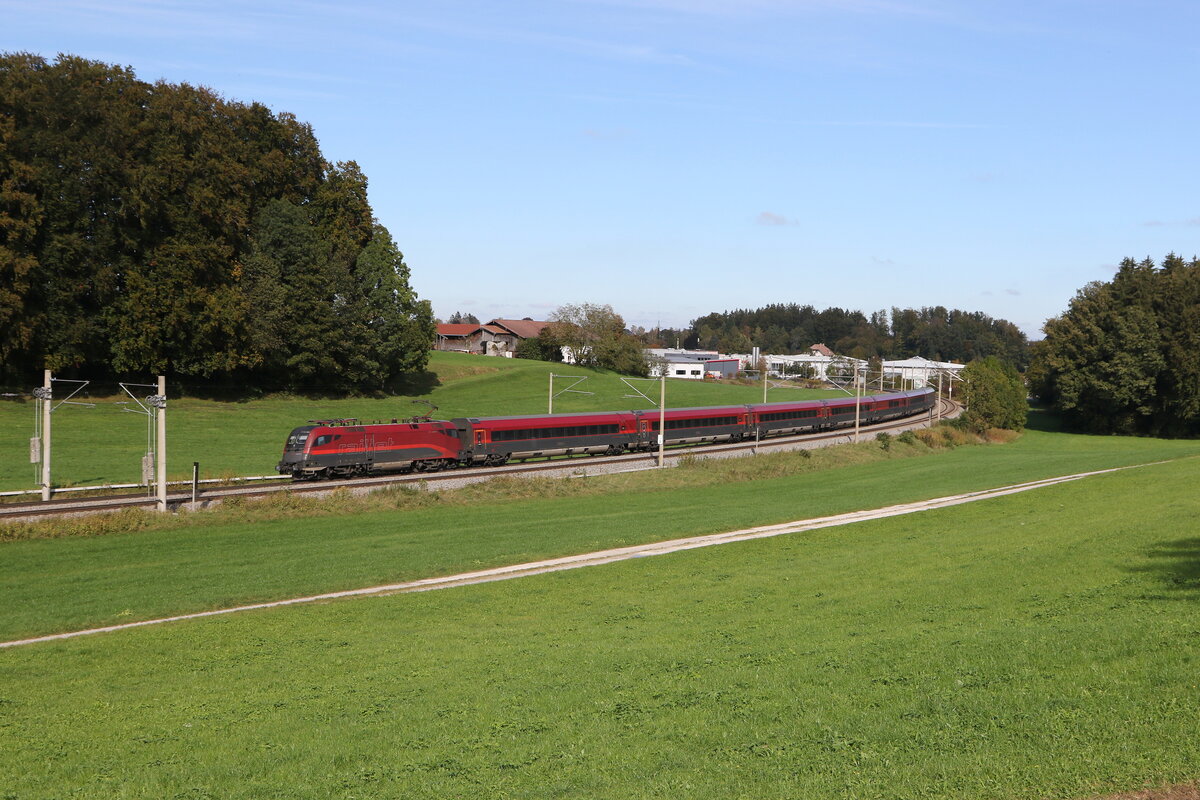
{"points": [[934, 332], [157, 228]]}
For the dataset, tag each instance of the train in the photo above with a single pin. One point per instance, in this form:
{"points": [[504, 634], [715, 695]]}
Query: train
{"points": [[346, 448]]}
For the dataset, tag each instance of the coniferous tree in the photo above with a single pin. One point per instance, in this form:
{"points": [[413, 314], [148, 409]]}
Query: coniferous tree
{"points": [[1123, 358]]}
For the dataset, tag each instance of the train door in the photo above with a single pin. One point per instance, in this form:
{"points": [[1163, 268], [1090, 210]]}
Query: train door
{"points": [[644, 435], [369, 449]]}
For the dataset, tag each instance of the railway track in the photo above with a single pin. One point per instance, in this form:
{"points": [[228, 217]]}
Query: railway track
{"points": [[577, 466]]}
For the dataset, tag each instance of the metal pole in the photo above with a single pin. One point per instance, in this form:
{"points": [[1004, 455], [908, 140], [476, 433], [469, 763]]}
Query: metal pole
{"points": [[550, 404], [47, 407], [195, 481], [662, 416], [939, 398], [162, 444], [857, 401]]}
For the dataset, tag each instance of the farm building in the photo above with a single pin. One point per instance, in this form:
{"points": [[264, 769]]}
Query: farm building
{"points": [[496, 338]]}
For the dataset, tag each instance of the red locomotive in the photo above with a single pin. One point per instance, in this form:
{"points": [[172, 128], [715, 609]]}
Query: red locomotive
{"points": [[346, 448]]}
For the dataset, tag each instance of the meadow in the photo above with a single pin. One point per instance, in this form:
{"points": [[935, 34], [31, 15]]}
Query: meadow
{"points": [[1041, 645], [1036, 645], [104, 444], [146, 565]]}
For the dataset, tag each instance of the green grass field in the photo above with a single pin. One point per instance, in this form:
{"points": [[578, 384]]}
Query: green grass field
{"points": [[1038, 645], [202, 561], [105, 444]]}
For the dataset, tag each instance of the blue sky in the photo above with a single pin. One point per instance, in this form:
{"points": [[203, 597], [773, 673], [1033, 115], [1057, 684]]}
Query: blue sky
{"points": [[677, 157]]}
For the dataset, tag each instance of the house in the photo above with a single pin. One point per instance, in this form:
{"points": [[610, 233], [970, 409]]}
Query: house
{"points": [[503, 335], [497, 338], [454, 337]]}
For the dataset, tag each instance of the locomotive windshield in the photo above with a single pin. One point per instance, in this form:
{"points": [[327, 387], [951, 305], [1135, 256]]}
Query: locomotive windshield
{"points": [[297, 438]]}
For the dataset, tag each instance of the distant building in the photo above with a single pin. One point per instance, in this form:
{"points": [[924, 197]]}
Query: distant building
{"points": [[815, 364], [455, 337], [499, 337], [690, 364], [919, 372]]}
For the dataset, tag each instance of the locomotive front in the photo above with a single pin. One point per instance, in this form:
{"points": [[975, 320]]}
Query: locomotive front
{"points": [[293, 451]]}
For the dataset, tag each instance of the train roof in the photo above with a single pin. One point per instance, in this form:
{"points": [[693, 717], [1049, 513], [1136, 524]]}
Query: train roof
{"points": [[572, 417], [738, 409]]}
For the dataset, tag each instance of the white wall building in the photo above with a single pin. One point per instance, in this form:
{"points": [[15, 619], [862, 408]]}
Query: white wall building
{"points": [[818, 363], [689, 364], [919, 372]]}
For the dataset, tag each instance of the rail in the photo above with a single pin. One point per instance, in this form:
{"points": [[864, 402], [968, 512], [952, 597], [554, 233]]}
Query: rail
{"points": [[571, 466]]}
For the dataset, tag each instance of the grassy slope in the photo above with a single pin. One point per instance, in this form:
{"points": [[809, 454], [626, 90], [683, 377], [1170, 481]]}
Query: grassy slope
{"points": [[52, 585], [1039, 645], [105, 444]]}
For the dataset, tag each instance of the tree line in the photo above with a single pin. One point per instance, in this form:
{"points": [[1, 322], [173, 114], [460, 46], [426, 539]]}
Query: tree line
{"points": [[160, 228], [1125, 355], [934, 332]]}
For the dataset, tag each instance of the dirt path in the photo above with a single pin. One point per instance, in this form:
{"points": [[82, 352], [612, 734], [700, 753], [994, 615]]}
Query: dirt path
{"points": [[601, 557]]}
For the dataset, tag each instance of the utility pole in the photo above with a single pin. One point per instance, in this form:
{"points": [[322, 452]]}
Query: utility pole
{"points": [[161, 405], [857, 401], [939, 397], [47, 407], [662, 416]]}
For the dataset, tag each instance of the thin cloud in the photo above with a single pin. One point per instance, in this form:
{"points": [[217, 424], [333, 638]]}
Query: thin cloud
{"points": [[771, 219], [884, 123], [1156, 223], [743, 8]]}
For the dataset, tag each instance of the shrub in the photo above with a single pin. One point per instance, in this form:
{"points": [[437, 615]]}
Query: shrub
{"points": [[995, 396]]}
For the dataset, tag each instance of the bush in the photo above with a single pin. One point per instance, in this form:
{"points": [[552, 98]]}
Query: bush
{"points": [[995, 396]]}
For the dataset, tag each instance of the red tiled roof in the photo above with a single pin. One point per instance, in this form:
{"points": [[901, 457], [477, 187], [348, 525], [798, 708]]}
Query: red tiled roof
{"points": [[456, 330], [822, 349], [524, 328]]}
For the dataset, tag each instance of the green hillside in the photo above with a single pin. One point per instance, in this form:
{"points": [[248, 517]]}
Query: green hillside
{"points": [[1036, 645], [105, 444]]}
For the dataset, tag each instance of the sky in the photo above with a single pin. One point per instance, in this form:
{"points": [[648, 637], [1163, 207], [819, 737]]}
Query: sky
{"points": [[672, 158]]}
